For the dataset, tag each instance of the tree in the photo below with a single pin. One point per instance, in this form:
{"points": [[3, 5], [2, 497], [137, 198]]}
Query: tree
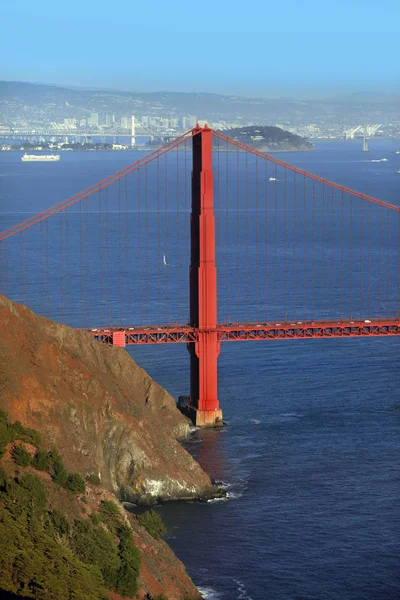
{"points": [[42, 460], [153, 523], [20, 455], [75, 483], [58, 471]]}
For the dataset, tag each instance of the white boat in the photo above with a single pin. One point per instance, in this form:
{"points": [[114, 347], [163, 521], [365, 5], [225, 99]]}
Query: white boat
{"points": [[272, 179], [397, 172], [40, 157]]}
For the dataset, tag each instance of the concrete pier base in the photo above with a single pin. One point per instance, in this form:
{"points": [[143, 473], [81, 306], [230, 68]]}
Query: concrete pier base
{"points": [[200, 418], [205, 418]]}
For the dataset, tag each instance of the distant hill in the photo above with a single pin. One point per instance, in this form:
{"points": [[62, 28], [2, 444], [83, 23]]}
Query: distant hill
{"points": [[269, 139]]}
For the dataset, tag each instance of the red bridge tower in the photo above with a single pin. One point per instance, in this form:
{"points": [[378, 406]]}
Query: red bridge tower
{"points": [[204, 407]]}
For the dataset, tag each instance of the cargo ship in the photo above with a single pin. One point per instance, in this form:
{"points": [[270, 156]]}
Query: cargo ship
{"points": [[40, 157]]}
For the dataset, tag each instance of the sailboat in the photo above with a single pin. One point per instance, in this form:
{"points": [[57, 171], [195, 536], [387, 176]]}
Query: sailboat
{"points": [[164, 260]]}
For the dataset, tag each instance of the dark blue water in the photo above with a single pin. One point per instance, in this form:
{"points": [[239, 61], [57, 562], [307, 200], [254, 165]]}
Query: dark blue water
{"points": [[310, 455]]}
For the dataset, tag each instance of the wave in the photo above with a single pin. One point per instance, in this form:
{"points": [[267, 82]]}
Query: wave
{"points": [[209, 593], [243, 595], [255, 421]]}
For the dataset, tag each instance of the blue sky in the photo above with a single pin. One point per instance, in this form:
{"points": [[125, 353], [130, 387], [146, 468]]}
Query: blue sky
{"points": [[256, 47]]}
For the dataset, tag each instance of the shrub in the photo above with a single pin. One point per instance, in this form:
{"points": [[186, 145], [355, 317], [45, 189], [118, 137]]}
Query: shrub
{"points": [[128, 573], [3, 478], [95, 518], [58, 471], [24, 434], [20, 455], [42, 460], [75, 483], [110, 514], [93, 478], [32, 489], [59, 522], [153, 523]]}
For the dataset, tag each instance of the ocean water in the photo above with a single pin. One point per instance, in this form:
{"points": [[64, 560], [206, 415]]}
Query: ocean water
{"points": [[310, 453]]}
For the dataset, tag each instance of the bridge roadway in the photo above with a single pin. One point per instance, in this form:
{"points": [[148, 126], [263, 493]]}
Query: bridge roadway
{"points": [[242, 332]]}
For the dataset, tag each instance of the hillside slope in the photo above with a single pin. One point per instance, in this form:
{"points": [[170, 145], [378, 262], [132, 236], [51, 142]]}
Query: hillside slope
{"points": [[102, 411]]}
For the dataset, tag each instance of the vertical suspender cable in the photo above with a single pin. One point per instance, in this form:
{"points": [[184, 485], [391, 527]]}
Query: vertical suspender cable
{"points": [[266, 237], [127, 316], [351, 258], [238, 288], [247, 234], [285, 308], [166, 235], [61, 269], [120, 251], [256, 235], [313, 253], [158, 244], [323, 255], [87, 270], [331, 308], [147, 242], [67, 286], [388, 212], [100, 262], [294, 246], [342, 257], [107, 264], [178, 235], [361, 258], [139, 261], [80, 268], [305, 270], [276, 299], [227, 231]]}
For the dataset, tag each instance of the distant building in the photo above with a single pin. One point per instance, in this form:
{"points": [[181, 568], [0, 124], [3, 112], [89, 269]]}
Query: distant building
{"points": [[173, 123], [109, 119], [145, 121], [133, 138], [125, 122], [192, 120], [93, 120], [201, 122], [82, 123]]}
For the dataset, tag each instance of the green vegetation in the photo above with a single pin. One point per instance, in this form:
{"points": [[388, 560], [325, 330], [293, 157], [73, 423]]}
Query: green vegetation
{"points": [[94, 479], [46, 556], [10, 432], [153, 523], [42, 460], [110, 514], [75, 483], [20, 455]]}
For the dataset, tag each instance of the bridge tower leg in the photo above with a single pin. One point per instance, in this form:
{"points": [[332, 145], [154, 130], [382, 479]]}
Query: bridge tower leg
{"points": [[204, 407]]}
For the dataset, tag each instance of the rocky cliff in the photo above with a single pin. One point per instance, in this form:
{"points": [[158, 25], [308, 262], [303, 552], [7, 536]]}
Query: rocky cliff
{"points": [[102, 411]]}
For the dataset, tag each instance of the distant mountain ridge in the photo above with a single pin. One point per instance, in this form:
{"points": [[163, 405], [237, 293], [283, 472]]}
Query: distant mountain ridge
{"points": [[17, 98]]}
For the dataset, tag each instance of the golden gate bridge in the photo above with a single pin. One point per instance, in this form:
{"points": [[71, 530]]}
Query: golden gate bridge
{"points": [[207, 240]]}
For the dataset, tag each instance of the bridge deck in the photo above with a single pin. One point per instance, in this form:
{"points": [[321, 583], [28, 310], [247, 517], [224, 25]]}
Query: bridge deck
{"points": [[242, 332]]}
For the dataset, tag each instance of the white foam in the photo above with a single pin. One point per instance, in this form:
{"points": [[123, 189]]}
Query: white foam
{"points": [[209, 593], [243, 595], [217, 500], [255, 421]]}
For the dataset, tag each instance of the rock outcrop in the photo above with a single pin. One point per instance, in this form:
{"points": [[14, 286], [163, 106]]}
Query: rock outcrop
{"points": [[103, 412]]}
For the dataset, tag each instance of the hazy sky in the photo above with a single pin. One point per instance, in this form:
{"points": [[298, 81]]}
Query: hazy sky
{"points": [[253, 47]]}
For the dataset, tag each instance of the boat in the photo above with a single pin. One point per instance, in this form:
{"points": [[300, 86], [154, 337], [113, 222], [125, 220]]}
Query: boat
{"points": [[40, 157], [397, 172], [397, 152], [272, 179]]}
